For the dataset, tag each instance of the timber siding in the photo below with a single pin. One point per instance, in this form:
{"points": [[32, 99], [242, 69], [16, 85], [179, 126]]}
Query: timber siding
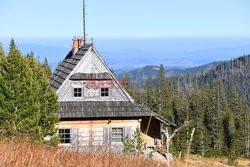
{"points": [[96, 133]]}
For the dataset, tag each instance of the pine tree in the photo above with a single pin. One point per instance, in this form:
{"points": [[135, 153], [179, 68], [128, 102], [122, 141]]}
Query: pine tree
{"points": [[46, 68], [150, 103], [164, 98], [247, 131], [197, 114], [229, 133], [214, 119], [27, 107], [2, 56], [237, 107]]}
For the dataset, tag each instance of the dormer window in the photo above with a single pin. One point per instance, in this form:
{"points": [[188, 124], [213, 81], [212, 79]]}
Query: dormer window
{"points": [[77, 92], [104, 92]]}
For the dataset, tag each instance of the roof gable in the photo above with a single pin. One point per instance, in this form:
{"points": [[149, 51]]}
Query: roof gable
{"points": [[84, 63], [64, 69]]}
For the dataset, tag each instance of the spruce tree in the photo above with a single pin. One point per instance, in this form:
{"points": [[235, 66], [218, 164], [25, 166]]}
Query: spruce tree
{"points": [[150, 103], [27, 107], [237, 107], [164, 98], [229, 133], [46, 68]]}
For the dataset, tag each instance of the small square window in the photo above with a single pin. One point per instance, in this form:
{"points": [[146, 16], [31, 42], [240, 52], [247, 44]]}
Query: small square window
{"points": [[104, 92], [77, 92], [64, 135], [117, 135]]}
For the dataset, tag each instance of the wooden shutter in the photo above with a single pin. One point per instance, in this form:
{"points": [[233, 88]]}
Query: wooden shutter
{"points": [[74, 136], [106, 136], [127, 131]]}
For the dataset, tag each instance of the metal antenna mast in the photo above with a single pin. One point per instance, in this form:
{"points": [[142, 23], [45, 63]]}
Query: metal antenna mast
{"points": [[84, 24]]}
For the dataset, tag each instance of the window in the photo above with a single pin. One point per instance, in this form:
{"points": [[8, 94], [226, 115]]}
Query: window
{"points": [[64, 135], [104, 92], [77, 92], [117, 135]]}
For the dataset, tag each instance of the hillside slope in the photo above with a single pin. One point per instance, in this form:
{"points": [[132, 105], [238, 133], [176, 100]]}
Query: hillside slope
{"points": [[143, 73], [236, 71]]}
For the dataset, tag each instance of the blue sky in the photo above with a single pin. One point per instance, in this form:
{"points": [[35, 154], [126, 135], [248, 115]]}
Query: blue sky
{"points": [[186, 33], [125, 18]]}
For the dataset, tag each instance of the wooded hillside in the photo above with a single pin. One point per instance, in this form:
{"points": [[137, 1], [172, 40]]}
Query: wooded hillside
{"points": [[214, 107]]}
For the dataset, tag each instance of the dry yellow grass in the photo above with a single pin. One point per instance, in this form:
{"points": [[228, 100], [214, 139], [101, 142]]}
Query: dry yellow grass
{"points": [[25, 154]]}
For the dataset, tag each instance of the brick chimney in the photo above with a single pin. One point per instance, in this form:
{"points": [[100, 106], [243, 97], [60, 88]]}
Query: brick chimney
{"points": [[77, 43]]}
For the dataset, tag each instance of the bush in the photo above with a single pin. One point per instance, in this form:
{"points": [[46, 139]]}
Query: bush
{"points": [[135, 144]]}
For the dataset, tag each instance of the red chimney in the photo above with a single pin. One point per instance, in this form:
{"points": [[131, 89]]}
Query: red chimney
{"points": [[77, 43]]}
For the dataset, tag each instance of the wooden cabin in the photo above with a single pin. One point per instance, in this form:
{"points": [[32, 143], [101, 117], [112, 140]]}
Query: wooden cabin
{"points": [[95, 109]]}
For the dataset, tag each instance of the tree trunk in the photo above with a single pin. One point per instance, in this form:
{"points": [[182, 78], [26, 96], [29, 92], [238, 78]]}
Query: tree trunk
{"points": [[190, 142]]}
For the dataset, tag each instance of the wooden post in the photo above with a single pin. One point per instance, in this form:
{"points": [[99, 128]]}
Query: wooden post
{"points": [[149, 122]]}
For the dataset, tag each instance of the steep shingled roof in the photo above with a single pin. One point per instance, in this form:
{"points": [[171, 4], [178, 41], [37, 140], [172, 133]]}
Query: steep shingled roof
{"points": [[95, 76], [106, 109], [66, 66]]}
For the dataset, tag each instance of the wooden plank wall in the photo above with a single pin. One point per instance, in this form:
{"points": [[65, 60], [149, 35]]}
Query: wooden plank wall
{"points": [[94, 133], [90, 63]]}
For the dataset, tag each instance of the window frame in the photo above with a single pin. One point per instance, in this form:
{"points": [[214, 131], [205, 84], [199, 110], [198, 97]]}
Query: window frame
{"points": [[64, 133], [105, 92], [122, 135], [81, 92]]}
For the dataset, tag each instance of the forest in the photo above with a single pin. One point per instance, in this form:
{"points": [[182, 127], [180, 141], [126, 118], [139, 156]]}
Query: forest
{"points": [[235, 71], [214, 107]]}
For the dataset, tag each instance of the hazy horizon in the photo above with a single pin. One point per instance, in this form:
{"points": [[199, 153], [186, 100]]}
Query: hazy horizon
{"points": [[139, 52], [131, 34]]}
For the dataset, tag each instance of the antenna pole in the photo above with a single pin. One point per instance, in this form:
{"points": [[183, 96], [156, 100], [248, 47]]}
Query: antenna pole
{"points": [[84, 25]]}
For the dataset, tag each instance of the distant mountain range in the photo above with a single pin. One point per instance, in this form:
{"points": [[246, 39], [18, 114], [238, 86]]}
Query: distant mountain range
{"points": [[124, 55], [235, 71], [143, 73]]}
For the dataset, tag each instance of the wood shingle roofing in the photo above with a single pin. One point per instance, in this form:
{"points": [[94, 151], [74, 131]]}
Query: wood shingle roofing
{"points": [[66, 66], [90, 76], [106, 109]]}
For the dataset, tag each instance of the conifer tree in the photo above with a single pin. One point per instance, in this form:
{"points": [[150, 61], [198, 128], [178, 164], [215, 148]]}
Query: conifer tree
{"points": [[199, 145], [236, 107], [150, 103], [214, 119], [27, 107], [2, 55], [164, 98], [205, 141], [229, 133], [46, 68]]}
